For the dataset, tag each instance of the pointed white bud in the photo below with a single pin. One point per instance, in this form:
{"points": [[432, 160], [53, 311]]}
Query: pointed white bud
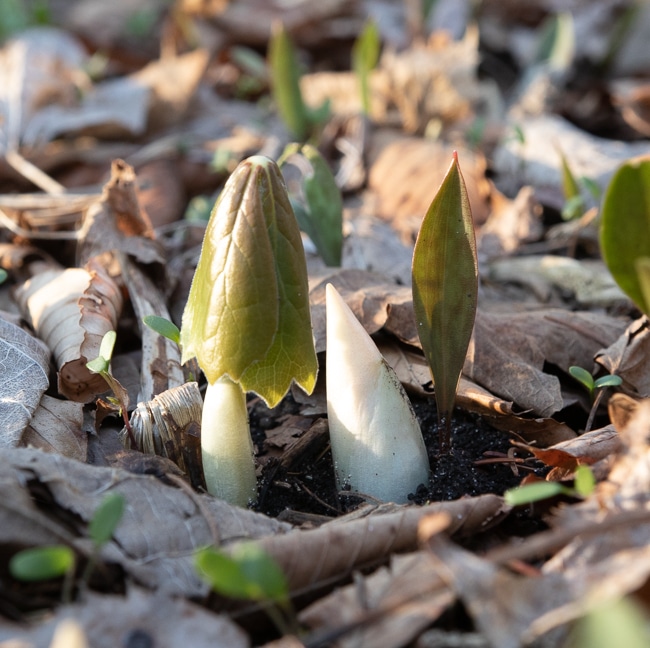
{"points": [[377, 444]]}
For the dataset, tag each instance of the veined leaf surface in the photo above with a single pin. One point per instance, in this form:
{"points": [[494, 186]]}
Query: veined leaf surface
{"points": [[625, 227], [247, 313], [445, 286]]}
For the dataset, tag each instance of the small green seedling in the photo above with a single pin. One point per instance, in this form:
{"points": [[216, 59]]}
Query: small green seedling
{"points": [[285, 81], [248, 573], [596, 388], [318, 206], [583, 485], [55, 561], [587, 380], [445, 290], [365, 56], [164, 327], [101, 365], [575, 204], [247, 319]]}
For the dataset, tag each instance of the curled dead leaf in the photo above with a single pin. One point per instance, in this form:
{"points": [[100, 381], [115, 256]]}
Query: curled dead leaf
{"points": [[71, 310]]}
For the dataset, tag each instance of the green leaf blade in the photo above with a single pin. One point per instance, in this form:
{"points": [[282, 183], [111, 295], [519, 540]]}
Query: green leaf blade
{"points": [[534, 493], [41, 563], [285, 79], [582, 376], [625, 226], [106, 518], [445, 285], [365, 55], [164, 327]]}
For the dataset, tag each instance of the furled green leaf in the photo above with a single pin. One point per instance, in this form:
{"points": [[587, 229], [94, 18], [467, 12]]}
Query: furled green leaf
{"points": [[106, 518], [247, 314], [285, 80], [625, 226], [445, 286], [321, 217], [164, 327], [41, 563], [249, 573], [365, 54]]}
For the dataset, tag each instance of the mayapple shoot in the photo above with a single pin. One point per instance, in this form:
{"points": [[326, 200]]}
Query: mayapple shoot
{"points": [[445, 290], [247, 318], [377, 444]]}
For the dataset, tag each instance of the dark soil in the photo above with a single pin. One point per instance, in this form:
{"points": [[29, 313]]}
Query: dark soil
{"points": [[306, 489]]}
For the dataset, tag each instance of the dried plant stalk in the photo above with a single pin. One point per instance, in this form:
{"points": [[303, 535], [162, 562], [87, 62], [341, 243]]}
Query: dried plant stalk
{"points": [[169, 425]]}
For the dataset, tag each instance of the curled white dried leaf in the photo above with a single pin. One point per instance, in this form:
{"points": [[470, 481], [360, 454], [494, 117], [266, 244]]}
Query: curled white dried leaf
{"points": [[377, 444], [71, 310]]}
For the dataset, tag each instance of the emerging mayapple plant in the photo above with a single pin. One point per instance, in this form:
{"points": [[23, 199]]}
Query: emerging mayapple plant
{"points": [[377, 445], [247, 319]]}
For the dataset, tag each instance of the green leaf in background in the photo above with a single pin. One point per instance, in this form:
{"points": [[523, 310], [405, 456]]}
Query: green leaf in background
{"points": [[584, 481], [247, 314], [3, 275], [574, 203], [557, 41], [625, 227], [106, 518], [322, 216], [285, 81], [535, 492], [41, 563], [249, 573], [445, 288], [615, 623], [164, 327], [365, 55]]}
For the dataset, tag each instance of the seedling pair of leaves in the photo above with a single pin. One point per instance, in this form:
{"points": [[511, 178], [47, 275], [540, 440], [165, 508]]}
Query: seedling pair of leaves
{"points": [[575, 204], [102, 366], [594, 387], [248, 573], [55, 561]]}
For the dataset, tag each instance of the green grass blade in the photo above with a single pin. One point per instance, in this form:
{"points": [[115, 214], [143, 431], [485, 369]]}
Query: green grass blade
{"points": [[285, 81], [365, 55], [625, 227], [445, 286]]}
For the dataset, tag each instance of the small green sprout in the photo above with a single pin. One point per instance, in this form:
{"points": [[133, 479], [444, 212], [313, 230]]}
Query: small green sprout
{"points": [[101, 365], [583, 485], [318, 206], [164, 327], [285, 80], [55, 561], [587, 380], [596, 388], [248, 573], [365, 56]]}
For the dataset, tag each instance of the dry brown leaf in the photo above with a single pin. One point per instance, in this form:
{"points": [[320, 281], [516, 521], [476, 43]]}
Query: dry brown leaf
{"points": [[345, 545], [116, 221], [137, 618], [71, 310], [626, 356], [406, 172], [25, 369], [155, 541], [57, 427]]}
